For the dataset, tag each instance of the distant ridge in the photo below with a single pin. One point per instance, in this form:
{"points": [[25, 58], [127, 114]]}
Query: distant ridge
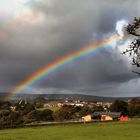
{"points": [[66, 96]]}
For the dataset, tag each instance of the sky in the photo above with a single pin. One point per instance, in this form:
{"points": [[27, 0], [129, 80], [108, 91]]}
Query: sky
{"points": [[34, 33]]}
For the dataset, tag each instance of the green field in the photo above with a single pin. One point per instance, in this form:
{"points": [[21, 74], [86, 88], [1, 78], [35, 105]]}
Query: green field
{"points": [[93, 131]]}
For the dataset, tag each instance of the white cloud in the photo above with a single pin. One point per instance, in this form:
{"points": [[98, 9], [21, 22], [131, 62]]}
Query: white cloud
{"points": [[120, 27]]}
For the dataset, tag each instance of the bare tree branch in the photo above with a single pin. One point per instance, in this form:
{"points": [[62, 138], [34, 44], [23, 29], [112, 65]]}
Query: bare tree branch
{"points": [[136, 72], [134, 48]]}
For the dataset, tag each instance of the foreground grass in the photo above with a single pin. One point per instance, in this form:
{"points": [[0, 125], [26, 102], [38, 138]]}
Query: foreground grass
{"points": [[93, 131]]}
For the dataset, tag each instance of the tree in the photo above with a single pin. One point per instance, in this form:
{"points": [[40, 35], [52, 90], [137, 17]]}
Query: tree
{"points": [[32, 116], [5, 105], [134, 107], [134, 48], [67, 112], [24, 107], [9, 118], [120, 106], [64, 113], [46, 115]]}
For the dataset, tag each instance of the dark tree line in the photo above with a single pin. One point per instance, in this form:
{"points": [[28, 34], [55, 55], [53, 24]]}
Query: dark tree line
{"points": [[23, 113], [131, 108]]}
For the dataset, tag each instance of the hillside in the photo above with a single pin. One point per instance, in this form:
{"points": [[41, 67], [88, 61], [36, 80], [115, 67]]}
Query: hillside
{"points": [[64, 96]]}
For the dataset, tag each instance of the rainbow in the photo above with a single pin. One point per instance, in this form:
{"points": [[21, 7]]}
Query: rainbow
{"points": [[61, 62]]}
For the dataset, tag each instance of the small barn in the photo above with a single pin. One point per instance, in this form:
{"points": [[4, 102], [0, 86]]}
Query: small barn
{"points": [[87, 118], [123, 118], [106, 118]]}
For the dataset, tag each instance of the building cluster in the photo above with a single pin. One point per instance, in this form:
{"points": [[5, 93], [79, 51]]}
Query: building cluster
{"points": [[99, 115], [77, 103], [105, 116]]}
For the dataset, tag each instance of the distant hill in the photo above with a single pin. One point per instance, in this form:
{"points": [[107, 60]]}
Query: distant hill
{"points": [[3, 95], [65, 96]]}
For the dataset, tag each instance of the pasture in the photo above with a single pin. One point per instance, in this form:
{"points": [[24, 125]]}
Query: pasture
{"points": [[92, 131]]}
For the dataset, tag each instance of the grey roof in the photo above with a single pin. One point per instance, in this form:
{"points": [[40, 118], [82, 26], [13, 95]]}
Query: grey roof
{"points": [[112, 114]]}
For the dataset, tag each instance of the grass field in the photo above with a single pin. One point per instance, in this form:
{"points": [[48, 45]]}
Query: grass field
{"points": [[93, 131]]}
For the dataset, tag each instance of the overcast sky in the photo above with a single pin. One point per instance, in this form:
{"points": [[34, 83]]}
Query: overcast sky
{"points": [[34, 33]]}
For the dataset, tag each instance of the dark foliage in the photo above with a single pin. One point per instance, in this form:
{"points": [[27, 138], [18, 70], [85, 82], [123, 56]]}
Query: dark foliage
{"points": [[120, 106], [134, 48], [134, 107]]}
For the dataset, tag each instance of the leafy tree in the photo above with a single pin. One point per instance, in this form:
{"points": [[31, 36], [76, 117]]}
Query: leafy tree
{"points": [[46, 115], [32, 116], [25, 107], [66, 113], [14, 118], [119, 106], [9, 118], [62, 114], [85, 110], [98, 108], [39, 105], [134, 48], [134, 107], [5, 105]]}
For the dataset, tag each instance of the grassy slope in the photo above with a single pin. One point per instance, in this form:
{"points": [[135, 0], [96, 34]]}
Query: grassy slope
{"points": [[93, 131]]}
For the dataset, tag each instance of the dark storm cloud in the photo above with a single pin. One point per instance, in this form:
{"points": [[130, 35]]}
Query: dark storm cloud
{"points": [[58, 28], [89, 71]]}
